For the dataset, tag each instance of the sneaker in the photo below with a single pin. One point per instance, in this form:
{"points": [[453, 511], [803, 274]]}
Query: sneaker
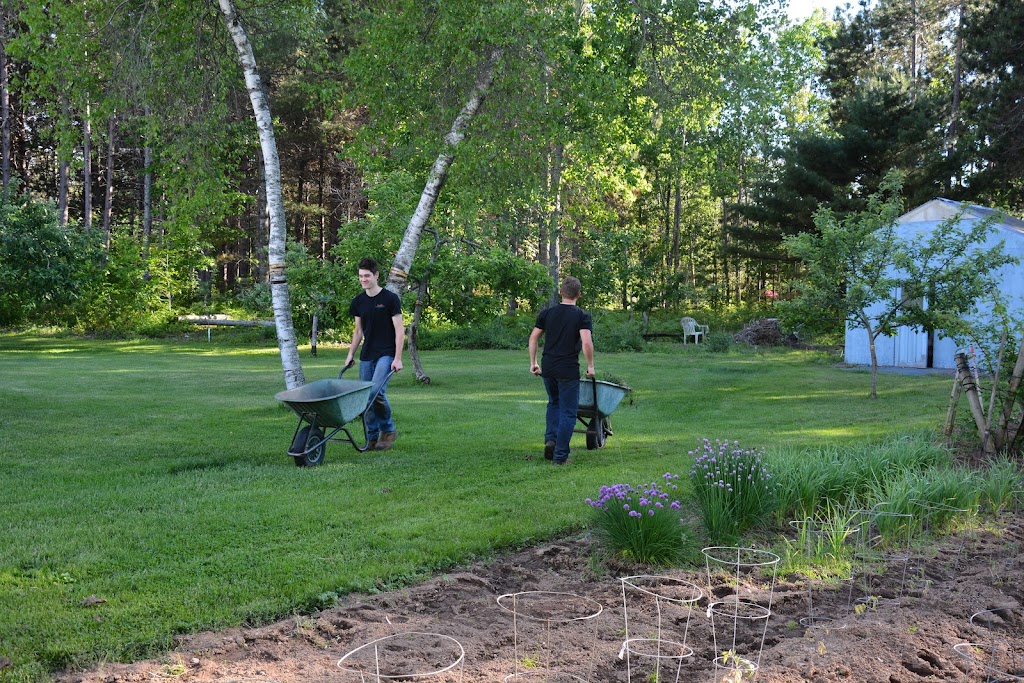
{"points": [[386, 441], [563, 462], [549, 450], [371, 445]]}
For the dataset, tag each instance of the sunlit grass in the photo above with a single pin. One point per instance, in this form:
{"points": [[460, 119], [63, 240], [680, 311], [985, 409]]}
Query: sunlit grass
{"points": [[154, 474]]}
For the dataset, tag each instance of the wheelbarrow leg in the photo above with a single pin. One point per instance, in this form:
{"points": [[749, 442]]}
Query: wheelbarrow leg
{"points": [[363, 416], [596, 432]]}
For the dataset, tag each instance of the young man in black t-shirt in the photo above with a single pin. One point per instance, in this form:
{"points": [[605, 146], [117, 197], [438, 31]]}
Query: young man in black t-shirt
{"points": [[567, 330], [378, 316]]}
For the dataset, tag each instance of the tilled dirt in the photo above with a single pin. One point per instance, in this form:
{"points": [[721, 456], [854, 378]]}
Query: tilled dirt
{"points": [[953, 611]]}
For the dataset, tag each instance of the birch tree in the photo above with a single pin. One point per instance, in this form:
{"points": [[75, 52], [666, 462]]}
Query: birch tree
{"points": [[286, 338], [399, 274]]}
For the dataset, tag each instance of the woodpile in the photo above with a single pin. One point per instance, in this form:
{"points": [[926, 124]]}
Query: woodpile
{"points": [[763, 332]]}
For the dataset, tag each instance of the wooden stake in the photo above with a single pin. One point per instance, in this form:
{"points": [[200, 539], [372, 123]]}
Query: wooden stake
{"points": [[970, 388]]}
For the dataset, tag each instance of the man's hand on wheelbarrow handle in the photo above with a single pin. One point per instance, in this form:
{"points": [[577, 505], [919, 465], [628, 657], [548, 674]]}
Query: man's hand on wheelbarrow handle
{"points": [[347, 366]]}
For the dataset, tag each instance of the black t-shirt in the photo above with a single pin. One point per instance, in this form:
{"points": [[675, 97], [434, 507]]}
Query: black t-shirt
{"points": [[375, 313], [562, 343]]}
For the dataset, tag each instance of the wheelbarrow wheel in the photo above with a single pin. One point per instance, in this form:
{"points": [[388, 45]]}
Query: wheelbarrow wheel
{"points": [[304, 440], [596, 433]]}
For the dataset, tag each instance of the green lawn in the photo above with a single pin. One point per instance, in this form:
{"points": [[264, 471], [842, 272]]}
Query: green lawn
{"points": [[153, 475]]}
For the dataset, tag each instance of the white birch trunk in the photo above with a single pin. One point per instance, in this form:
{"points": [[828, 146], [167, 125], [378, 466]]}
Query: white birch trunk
{"points": [[147, 196], [108, 193], [5, 109], [286, 341], [87, 169], [62, 172], [399, 274]]}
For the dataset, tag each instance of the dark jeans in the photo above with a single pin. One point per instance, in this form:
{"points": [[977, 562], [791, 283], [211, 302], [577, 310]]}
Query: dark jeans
{"points": [[563, 400], [378, 418]]}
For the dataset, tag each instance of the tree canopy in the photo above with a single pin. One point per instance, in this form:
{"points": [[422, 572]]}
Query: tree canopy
{"points": [[660, 151]]}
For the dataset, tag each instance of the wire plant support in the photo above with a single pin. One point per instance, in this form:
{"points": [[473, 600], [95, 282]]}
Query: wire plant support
{"points": [[998, 657], [412, 655], [816, 539], [739, 621], [650, 604], [541, 620], [883, 537]]}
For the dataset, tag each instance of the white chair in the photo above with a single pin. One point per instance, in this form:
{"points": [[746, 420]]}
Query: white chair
{"points": [[691, 328]]}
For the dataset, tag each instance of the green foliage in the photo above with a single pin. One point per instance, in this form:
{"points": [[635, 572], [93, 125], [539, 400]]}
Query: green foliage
{"points": [[321, 287], [46, 269], [733, 488], [853, 475], [612, 334], [129, 296], [823, 545], [503, 332], [1001, 485], [719, 342], [641, 524], [471, 287]]}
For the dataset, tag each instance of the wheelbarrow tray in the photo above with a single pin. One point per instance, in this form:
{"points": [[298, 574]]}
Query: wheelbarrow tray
{"points": [[609, 395], [328, 402]]}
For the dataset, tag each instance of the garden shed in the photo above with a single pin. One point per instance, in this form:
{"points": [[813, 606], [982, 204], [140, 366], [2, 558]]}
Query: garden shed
{"points": [[912, 348]]}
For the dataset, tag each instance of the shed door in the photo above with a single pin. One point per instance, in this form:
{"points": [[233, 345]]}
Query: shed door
{"points": [[911, 347]]}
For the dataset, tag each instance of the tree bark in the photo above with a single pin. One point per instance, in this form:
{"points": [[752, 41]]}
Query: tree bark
{"points": [[1004, 437], [872, 336], [555, 222], [414, 329], [87, 169], [62, 191], [286, 339], [970, 389], [147, 197], [312, 335], [954, 114], [62, 172], [399, 274], [108, 193], [5, 104]]}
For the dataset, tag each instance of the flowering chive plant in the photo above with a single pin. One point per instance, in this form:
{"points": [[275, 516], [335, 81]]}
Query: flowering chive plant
{"points": [[641, 524], [733, 488]]}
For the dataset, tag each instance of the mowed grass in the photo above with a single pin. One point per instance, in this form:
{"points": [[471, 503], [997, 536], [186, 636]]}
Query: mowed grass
{"points": [[153, 475]]}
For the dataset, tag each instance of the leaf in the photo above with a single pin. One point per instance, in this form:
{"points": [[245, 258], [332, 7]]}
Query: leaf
{"points": [[92, 600]]}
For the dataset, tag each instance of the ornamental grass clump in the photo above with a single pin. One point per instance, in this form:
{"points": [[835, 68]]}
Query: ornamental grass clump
{"points": [[641, 524], [733, 487]]}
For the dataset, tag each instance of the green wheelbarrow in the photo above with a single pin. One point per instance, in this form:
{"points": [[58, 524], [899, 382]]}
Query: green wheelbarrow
{"points": [[598, 400], [328, 404]]}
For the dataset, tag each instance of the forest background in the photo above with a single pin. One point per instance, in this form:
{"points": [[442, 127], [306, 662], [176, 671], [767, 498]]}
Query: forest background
{"points": [[658, 150]]}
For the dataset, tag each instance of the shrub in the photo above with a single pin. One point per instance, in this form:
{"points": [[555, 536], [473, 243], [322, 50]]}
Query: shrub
{"points": [[612, 336], [719, 342], [641, 524], [503, 332], [733, 488]]}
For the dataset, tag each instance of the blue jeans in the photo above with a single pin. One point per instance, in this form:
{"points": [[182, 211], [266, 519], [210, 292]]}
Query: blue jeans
{"points": [[563, 400], [378, 417]]}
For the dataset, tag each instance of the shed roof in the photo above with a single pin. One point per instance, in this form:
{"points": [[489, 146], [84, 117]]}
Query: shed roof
{"points": [[940, 209]]}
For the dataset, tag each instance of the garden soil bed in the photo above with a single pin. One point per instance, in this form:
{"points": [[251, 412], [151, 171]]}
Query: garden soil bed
{"points": [[912, 621]]}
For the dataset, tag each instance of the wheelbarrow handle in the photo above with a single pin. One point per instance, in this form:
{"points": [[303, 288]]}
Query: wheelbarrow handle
{"points": [[347, 366]]}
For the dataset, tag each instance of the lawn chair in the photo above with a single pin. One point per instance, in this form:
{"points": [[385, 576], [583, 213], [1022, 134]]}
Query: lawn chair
{"points": [[691, 328]]}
